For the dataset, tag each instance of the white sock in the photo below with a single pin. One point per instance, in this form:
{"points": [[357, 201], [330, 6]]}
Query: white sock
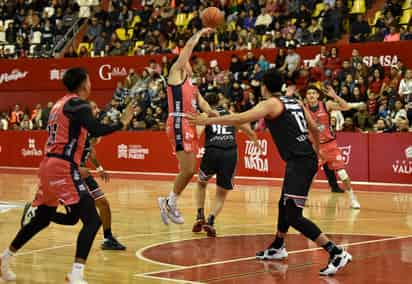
{"points": [[172, 199], [7, 254], [77, 270]]}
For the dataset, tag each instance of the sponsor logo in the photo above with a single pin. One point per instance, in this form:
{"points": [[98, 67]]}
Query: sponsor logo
{"points": [[14, 75], [345, 154], [404, 166], [107, 72], [255, 158], [32, 151], [385, 60], [133, 152], [57, 74]]}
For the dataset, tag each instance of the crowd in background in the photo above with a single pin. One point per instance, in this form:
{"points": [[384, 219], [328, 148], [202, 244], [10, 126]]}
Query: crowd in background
{"points": [[34, 27], [384, 94], [249, 24], [139, 27]]}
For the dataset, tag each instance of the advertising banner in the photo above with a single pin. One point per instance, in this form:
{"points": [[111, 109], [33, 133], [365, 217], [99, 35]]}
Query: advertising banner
{"points": [[368, 157]]}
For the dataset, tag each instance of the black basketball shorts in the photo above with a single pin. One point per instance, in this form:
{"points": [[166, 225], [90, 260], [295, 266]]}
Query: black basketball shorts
{"points": [[94, 188], [221, 162], [299, 175]]}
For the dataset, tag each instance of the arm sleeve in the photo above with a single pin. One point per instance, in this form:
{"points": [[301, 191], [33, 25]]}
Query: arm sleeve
{"points": [[80, 111]]}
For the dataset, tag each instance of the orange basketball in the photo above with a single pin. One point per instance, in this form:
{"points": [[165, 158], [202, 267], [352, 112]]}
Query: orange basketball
{"points": [[212, 17]]}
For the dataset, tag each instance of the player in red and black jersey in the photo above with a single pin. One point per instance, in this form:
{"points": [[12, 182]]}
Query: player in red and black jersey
{"points": [[330, 153], [89, 154], [70, 120]]}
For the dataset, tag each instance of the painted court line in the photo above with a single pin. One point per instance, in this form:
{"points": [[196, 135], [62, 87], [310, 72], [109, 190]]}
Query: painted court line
{"points": [[148, 274], [237, 177]]}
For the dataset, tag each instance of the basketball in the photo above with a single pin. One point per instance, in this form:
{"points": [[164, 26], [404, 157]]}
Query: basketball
{"points": [[212, 17]]}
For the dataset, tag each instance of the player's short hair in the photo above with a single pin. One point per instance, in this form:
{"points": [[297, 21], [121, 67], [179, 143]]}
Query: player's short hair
{"points": [[212, 98], [314, 87], [273, 81], [73, 78]]}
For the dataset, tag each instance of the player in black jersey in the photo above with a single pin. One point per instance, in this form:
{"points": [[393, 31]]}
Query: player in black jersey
{"points": [[220, 159], [291, 126], [89, 154]]}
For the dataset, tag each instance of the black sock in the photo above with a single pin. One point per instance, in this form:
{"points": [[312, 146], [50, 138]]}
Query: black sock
{"points": [[107, 233], [277, 243], [332, 249], [200, 214], [211, 220]]}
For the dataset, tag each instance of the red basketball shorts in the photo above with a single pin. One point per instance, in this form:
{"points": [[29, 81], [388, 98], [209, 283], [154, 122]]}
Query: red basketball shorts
{"points": [[331, 155], [182, 136], [59, 183]]}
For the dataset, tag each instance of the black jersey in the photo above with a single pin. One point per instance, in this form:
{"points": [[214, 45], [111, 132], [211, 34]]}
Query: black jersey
{"points": [[220, 136], [86, 151], [290, 132]]}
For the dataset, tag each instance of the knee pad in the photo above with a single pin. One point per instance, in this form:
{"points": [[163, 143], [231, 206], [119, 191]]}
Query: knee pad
{"points": [[343, 175]]}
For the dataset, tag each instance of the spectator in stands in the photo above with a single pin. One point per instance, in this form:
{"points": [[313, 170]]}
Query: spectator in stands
{"points": [[403, 125], [26, 123], [117, 49], [137, 125], [16, 116], [331, 23], [360, 29], [380, 126], [83, 52], [94, 29], [375, 85], [407, 34], [376, 65], [362, 119], [70, 53], [393, 34], [398, 112], [112, 111], [348, 125], [292, 62], [4, 121], [316, 32], [195, 22], [11, 34], [99, 43], [394, 7], [36, 115], [263, 21], [131, 79]]}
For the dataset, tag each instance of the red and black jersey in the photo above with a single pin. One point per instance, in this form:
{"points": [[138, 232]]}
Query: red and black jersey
{"points": [[322, 117], [69, 121]]}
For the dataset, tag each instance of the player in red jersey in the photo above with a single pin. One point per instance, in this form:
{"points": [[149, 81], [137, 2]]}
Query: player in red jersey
{"points": [[183, 99], [60, 182], [329, 150]]}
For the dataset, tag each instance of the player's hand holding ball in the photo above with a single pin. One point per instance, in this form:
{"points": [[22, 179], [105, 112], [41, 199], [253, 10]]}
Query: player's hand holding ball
{"points": [[211, 18]]}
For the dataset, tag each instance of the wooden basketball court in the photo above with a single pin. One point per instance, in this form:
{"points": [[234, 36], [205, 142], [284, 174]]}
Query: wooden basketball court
{"points": [[379, 236]]}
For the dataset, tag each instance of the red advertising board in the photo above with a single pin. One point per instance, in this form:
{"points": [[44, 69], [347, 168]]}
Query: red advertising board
{"points": [[390, 158], [29, 81], [369, 157]]}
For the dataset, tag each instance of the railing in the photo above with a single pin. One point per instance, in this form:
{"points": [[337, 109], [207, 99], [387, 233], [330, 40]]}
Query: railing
{"points": [[70, 34]]}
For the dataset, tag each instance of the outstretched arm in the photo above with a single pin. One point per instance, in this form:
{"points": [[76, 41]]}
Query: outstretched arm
{"points": [[187, 50], [338, 103], [268, 108]]}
